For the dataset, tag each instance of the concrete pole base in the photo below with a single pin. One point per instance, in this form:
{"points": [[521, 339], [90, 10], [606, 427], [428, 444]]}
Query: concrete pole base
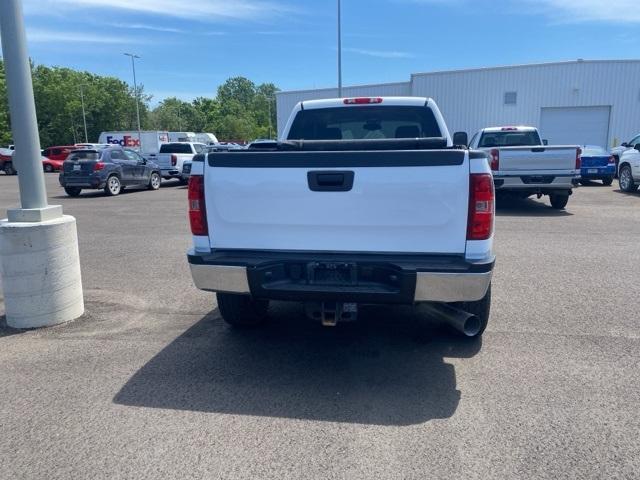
{"points": [[40, 271]]}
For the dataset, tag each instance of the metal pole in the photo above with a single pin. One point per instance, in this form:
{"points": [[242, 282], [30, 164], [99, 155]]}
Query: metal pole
{"points": [[135, 89], [339, 50], [84, 116], [73, 129], [22, 108], [179, 120], [269, 103]]}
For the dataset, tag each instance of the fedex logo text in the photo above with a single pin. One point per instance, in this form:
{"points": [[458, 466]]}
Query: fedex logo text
{"points": [[126, 141]]}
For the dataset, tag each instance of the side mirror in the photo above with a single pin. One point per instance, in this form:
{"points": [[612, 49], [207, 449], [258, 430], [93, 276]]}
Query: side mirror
{"points": [[460, 138], [637, 147], [625, 144], [545, 142]]}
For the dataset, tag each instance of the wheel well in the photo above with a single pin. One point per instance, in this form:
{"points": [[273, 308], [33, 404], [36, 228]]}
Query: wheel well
{"points": [[623, 164]]}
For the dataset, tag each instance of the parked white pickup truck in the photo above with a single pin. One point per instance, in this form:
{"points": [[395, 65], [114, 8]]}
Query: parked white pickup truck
{"points": [[523, 165], [363, 201], [172, 156]]}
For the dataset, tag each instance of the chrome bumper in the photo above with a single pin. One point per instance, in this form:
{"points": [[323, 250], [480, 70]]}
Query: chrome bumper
{"points": [[430, 286], [451, 287]]}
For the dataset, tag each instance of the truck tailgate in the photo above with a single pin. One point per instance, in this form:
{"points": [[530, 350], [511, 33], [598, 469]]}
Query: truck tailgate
{"points": [[537, 158], [397, 201]]}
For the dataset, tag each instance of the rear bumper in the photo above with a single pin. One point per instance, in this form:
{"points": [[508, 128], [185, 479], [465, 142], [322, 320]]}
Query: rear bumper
{"points": [[170, 173], [92, 181], [598, 172], [359, 278], [535, 181]]}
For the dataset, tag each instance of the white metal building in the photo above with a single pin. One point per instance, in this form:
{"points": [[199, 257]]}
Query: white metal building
{"points": [[577, 102]]}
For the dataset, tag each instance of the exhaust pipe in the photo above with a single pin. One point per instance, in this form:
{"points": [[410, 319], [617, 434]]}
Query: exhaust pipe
{"points": [[464, 322]]}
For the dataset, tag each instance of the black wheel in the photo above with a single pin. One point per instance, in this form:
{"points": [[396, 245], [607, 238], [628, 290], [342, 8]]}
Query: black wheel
{"points": [[48, 168], [184, 181], [154, 181], [584, 181], [73, 191], [607, 181], [113, 186], [559, 201], [625, 179], [481, 309], [8, 169], [242, 310]]}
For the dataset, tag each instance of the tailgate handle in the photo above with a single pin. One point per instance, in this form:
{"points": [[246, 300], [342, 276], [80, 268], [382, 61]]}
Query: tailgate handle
{"points": [[330, 181]]}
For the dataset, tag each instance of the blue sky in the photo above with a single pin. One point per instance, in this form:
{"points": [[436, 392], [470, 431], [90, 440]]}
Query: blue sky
{"points": [[188, 47]]}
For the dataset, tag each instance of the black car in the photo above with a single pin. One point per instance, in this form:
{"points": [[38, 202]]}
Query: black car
{"points": [[109, 168]]}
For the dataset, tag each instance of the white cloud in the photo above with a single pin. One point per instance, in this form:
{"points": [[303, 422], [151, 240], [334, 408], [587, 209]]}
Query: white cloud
{"points": [[45, 36], [142, 26], [610, 11], [379, 53], [203, 10]]}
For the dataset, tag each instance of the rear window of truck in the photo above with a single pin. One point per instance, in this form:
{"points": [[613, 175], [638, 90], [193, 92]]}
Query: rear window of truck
{"points": [[175, 148], [363, 123], [510, 139]]}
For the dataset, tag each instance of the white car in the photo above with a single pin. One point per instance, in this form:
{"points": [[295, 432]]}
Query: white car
{"points": [[172, 156], [629, 170], [364, 201], [623, 147]]}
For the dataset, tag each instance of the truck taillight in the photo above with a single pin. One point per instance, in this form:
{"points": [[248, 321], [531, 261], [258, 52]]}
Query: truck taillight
{"points": [[98, 166], [612, 160], [174, 160], [362, 100], [578, 158], [197, 211], [494, 159], [481, 207]]}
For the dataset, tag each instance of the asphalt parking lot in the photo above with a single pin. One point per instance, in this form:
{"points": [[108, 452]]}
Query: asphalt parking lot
{"points": [[151, 384]]}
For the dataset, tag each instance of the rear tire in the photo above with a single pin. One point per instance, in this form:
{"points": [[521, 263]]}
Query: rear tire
{"points": [[584, 181], [8, 169], [48, 168], [154, 181], [625, 180], [607, 181], [184, 181], [481, 309], [113, 186], [559, 201], [242, 310], [73, 191]]}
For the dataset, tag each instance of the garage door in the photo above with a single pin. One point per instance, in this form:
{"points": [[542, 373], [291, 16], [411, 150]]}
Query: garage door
{"points": [[575, 125]]}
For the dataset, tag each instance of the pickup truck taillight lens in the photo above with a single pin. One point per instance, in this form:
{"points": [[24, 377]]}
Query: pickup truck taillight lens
{"points": [[612, 160], [481, 207], [197, 212], [494, 159], [174, 160], [578, 158], [98, 166]]}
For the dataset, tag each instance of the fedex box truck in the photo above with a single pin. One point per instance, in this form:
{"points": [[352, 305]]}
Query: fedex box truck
{"points": [[147, 145]]}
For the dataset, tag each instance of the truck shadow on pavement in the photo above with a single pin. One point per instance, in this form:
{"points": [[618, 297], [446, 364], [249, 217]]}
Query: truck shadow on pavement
{"points": [[386, 369], [528, 207]]}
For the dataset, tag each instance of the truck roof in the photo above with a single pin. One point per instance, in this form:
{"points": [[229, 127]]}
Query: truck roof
{"points": [[510, 128], [349, 101]]}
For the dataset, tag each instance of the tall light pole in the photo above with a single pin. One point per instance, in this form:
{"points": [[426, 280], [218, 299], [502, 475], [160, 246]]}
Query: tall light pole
{"points": [[84, 116], [39, 260], [135, 90], [339, 50]]}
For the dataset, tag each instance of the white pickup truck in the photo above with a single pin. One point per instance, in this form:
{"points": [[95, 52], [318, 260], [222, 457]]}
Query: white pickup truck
{"points": [[523, 165], [172, 156], [363, 201]]}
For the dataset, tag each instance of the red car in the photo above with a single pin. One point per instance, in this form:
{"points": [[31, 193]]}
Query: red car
{"points": [[54, 156]]}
